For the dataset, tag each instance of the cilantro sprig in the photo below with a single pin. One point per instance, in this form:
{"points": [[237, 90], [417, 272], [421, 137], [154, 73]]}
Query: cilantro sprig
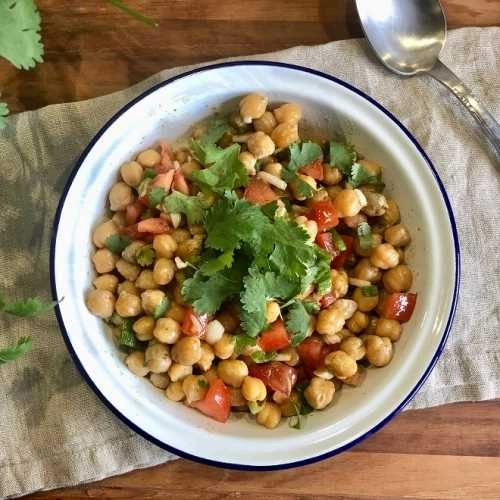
{"points": [[11, 353]]}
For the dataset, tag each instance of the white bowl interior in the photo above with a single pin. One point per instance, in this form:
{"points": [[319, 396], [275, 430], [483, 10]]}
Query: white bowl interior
{"points": [[166, 113]]}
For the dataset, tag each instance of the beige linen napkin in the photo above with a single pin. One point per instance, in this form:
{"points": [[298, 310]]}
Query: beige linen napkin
{"points": [[53, 429]]}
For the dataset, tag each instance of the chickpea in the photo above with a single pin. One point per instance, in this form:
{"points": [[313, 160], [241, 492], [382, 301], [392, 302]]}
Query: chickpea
{"points": [[320, 195], [104, 260], [397, 236], [365, 304], [143, 328], [329, 321], [127, 270], [296, 183], [159, 380], [337, 337], [364, 270], [106, 282], [194, 387], [211, 374], [214, 332], [340, 283], [188, 167], [248, 160], [190, 247], [347, 307], [378, 350], [236, 398], [120, 196], [269, 416], [274, 168], [135, 362], [101, 303], [224, 347], [179, 235], [372, 325], [358, 322], [384, 256], [207, 357], [187, 351], [349, 202], [157, 358], [149, 158], [252, 107], [266, 123], [131, 173], [127, 286], [319, 393], [178, 372], [341, 364], [332, 175], [366, 252], [167, 330], [391, 215], [163, 271], [371, 167], [273, 311], [354, 347], [175, 392], [285, 134], [389, 328], [354, 221], [232, 371], [376, 204], [260, 145], [128, 305], [119, 219], [398, 279], [289, 112], [253, 389], [103, 232], [130, 251], [357, 379], [165, 245], [150, 299], [176, 312]]}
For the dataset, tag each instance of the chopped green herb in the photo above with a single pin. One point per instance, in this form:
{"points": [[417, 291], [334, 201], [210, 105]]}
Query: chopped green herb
{"points": [[301, 154], [369, 291], [342, 156], [298, 322], [133, 13], [117, 243], [127, 337], [143, 187], [269, 209], [13, 352], [365, 235], [203, 383], [216, 264], [192, 206], [161, 308], [148, 173], [156, 196], [263, 357], [295, 422], [241, 341], [360, 175], [115, 320], [311, 306], [255, 407], [26, 307], [303, 188], [216, 128], [145, 256], [338, 241]]}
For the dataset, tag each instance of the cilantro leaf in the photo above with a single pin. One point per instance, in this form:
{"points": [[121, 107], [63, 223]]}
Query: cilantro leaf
{"points": [[269, 209], [298, 322], [241, 341], [303, 188], [216, 128], [207, 154], [311, 306], [255, 406], [161, 308], [117, 243], [148, 173], [365, 235], [156, 196], [301, 154], [263, 357], [13, 352], [338, 241], [226, 172], [342, 156], [4, 111], [253, 302], [20, 41], [145, 256], [133, 13], [214, 265], [369, 291], [359, 176], [192, 206], [26, 307], [127, 337]]}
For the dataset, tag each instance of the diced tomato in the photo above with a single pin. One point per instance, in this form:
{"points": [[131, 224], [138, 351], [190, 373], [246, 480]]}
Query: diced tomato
{"points": [[164, 180], [275, 337], [340, 259], [132, 232], [259, 192], [133, 212], [314, 170], [327, 300], [325, 215], [154, 225], [312, 353], [217, 401], [276, 376], [399, 306], [325, 241], [180, 183], [194, 325]]}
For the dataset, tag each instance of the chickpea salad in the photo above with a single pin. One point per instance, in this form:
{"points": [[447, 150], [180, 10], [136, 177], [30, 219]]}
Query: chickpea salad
{"points": [[248, 269]]}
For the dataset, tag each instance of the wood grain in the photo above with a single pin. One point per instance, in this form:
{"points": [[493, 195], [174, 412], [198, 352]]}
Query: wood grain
{"points": [[451, 452], [93, 49]]}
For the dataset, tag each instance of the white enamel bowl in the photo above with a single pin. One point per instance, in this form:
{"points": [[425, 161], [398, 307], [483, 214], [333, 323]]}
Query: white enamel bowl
{"points": [[166, 111]]}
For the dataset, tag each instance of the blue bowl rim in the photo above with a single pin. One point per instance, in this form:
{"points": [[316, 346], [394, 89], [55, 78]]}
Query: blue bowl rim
{"points": [[236, 466]]}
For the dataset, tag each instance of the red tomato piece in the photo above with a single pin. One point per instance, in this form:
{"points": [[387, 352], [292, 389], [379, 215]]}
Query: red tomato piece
{"points": [[154, 225], [325, 215], [275, 375], [194, 325], [164, 180], [259, 192], [133, 212], [217, 401], [399, 306], [327, 300], [275, 337], [325, 241], [312, 353], [180, 183], [314, 170], [340, 259]]}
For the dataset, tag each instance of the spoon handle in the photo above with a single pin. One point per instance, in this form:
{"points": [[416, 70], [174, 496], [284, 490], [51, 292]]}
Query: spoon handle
{"points": [[485, 119]]}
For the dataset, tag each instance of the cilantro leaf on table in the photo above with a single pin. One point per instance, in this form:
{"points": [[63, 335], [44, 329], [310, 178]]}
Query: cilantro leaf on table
{"points": [[215, 129], [297, 322], [216, 264], [364, 235], [156, 196], [133, 13], [25, 307], [301, 154], [20, 41], [360, 175], [4, 111], [192, 206], [13, 352], [342, 156]]}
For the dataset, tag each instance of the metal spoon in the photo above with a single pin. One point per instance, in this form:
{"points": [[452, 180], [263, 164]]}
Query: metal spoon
{"points": [[407, 36]]}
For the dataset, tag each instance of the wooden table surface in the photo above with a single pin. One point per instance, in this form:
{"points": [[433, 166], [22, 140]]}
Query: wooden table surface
{"points": [[450, 452]]}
